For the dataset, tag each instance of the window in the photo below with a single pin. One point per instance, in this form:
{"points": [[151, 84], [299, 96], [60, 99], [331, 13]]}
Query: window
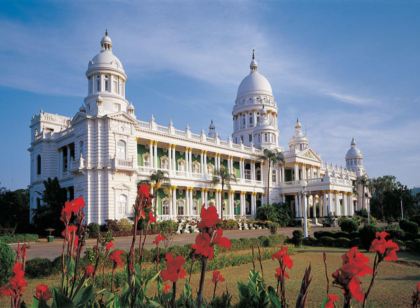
{"points": [[210, 169], [164, 163], [123, 204], [107, 84], [98, 83], [90, 85], [251, 120], [181, 165], [117, 107], [250, 138], [121, 149], [165, 207], [274, 176], [115, 85], [38, 165], [196, 167], [195, 207], [243, 121], [265, 137], [180, 205], [146, 160]]}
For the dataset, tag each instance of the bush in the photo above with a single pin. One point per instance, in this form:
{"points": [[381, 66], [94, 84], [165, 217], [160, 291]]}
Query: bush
{"points": [[124, 225], [348, 225], [355, 242], [409, 226], [416, 219], [310, 241], [339, 234], [319, 234], [396, 234], [7, 258], [327, 241], [279, 213], [93, 230], [38, 267], [229, 224], [342, 242], [297, 238], [168, 227], [367, 235], [273, 227], [416, 245], [264, 241], [16, 238]]}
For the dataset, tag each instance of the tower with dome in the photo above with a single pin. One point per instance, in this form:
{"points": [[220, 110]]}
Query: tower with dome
{"points": [[103, 151]]}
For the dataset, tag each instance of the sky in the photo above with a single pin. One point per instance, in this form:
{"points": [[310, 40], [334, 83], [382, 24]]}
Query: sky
{"points": [[344, 68]]}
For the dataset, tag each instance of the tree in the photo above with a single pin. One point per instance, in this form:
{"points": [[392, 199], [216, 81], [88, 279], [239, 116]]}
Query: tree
{"points": [[159, 178], [366, 184], [223, 177], [387, 194], [272, 157], [14, 209], [53, 198]]}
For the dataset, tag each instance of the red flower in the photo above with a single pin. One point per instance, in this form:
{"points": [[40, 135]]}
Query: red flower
{"points": [[21, 251], [220, 240], [355, 288], [17, 282], [115, 257], [42, 292], [332, 299], [90, 269], [209, 217], [72, 207], [143, 190], [166, 288], [217, 277], [152, 218], [203, 246], [282, 256], [109, 245], [159, 238], [174, 269], [279, 274], [386, 249]]}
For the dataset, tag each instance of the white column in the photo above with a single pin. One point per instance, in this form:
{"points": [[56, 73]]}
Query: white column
{"points": [[325, 204], [241, 168], [337, 204], [296, 172], [201, 162], [253, 204], [330, 203], [175, 207], [155, 156], [314, 205], [345, 198], [282, 174], [190, 154], [151, 159], [305, 216], [171, 203], [186, 160], [350, 204], [253, 177], [297, 214], [304, 175], [205, 162], [205, 198], [242, 203], [170, 156]]}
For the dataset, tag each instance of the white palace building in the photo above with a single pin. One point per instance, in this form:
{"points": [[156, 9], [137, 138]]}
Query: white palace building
{"points": [[103, 151]]}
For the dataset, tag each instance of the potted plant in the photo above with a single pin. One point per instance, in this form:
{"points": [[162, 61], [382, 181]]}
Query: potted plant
{"points": [[50, 237]]}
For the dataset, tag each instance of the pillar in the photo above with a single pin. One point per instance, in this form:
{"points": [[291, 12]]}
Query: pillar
{"points": [[330, 204], [190, 162], [297, 213], [201, 162], [151, 159], [243, 203], [337, 204], [155, 155], [304, 175], [305, 216], [253, 177], [174, 205], [282, 174], [254, 204], [345, 199], [205, 162], [296, 172], [325, 204], [186, 160], [241, 168]]}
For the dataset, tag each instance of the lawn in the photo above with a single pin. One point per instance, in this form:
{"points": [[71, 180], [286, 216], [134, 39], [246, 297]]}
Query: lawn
{"points": [[394, 286]]}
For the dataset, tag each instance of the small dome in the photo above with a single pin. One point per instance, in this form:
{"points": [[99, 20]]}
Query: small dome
{"points": [[353, 152], [105, 59], [254, 83]]}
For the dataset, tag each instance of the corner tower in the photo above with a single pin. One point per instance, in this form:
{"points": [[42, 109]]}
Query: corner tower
{"points": [[255, 111], [106, 83], [354, 159]]}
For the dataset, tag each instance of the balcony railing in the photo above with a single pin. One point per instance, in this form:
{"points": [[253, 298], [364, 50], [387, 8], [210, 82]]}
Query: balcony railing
{"points": [[122, 164]]}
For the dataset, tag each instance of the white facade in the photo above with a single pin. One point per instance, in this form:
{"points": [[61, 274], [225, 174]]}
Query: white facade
{"points": [[103, 151]]}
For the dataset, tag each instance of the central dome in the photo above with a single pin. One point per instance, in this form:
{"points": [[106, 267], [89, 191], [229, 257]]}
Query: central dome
{"points": [[254, 83]]}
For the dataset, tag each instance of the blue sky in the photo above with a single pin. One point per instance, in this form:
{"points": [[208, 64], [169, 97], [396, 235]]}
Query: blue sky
{"points": [[345, 68]]}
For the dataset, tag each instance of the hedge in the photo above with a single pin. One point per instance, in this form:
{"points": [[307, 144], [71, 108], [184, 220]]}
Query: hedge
{"points": [[16, 238]]}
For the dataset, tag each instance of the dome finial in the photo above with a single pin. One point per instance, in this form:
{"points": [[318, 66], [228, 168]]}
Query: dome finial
{"points": [[353, 142], [106, 32], [106, 42], [254, 65]]}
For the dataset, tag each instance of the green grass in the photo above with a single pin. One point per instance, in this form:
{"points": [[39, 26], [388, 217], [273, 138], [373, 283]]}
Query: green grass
{"points": [[393, 288]]}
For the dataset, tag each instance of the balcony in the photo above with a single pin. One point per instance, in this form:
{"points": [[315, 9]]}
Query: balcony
{"points": [[122, 164]]}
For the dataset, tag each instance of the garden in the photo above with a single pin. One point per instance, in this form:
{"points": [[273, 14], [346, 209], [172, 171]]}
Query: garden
{"points": [[355, 267]]}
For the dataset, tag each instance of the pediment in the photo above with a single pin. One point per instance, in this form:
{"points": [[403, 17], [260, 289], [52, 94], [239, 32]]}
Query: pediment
{"points": [[310, 154], [80, 116], [122, 116]]}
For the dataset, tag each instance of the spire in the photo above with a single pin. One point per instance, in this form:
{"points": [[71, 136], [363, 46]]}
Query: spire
{"points": [[212, 130], [254, 65], [106, 42], [298, 125], [353, 142]]}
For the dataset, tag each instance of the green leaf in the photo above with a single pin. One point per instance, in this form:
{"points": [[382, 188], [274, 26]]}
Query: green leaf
{"points": [[35, 303], [84, 296], [274, 299], [60, 300]]}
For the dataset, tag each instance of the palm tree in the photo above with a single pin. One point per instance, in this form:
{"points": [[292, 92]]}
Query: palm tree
{"points": [[223, 177], [272, 157], [159, 178], [365, 183]]}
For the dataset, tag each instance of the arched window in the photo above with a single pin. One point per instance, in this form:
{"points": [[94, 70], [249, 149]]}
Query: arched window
{"points": [[121, 149], [90, 85], [195, 207], [164, 162], [107, 83], [210, 169], [165, 206], [146, 160], [181, 165], [180, 206], [196, 167], [38, 165], [123, 204], [98, 83]]}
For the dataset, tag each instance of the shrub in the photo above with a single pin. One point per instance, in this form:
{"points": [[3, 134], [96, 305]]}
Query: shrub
{"points": [[339, 234], [310, 241], [7, 258], [111, 225], [264, 241], [279, 213], [124, 225], [168, 227], [354, 235], [15, 238], [409, 226], [342, 242], [327, 241], [39, 267], [367, 235], [355, 242], [396, 234], [297, 238], [230, 224], [348, 225], [319, 234], [93, 230], [273, 227], [416, 245], [416, 219]]}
